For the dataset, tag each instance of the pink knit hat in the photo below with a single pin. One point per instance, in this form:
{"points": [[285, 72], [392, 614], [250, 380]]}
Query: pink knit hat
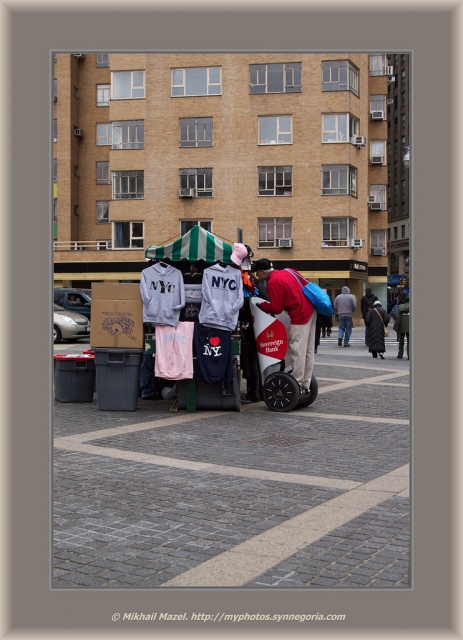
{"points": [[239, 253]]}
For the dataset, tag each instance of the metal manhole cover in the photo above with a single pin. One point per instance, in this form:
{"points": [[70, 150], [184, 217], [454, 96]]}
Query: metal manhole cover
{"points": [[280, 440]]}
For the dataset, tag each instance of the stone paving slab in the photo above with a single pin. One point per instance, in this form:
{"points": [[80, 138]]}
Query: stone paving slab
{"points": [[359, 451], [126, 524], [70, 418], [371, 550], [364, 400], [345, 372]]}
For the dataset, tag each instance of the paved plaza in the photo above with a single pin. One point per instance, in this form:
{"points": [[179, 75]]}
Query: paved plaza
{"points": [[314, 498]]}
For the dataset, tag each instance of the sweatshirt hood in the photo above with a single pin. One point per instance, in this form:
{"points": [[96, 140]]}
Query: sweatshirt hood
{"points": [[345, 290], [162, 270]]}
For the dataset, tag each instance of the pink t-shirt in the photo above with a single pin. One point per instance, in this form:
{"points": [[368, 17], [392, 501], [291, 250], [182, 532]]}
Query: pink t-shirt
{"points": [[174, 351]]}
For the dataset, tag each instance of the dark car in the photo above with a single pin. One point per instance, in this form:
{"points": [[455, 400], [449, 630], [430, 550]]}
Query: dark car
{"points": [[78, 300]]}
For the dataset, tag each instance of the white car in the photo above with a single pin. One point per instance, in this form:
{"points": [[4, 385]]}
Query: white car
{"points": [[68, 325]]}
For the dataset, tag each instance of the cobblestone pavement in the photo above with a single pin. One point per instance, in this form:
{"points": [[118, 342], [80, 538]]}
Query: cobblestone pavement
{"points": [[153, 498]]}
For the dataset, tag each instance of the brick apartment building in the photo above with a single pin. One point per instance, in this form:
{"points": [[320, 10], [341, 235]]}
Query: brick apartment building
{"points": [[289, 148], [398, 173]]}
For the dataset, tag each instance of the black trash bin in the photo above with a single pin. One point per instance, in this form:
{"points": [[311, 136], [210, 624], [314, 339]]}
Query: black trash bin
{"points": [[74, 377], [117, 378]]}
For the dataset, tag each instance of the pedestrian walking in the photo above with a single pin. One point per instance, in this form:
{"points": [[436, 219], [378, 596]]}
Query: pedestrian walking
{"points": [[393, 312], [366, 303], [377, 320], [323, 327], [344, 306], [284, 288], [402, 326]]}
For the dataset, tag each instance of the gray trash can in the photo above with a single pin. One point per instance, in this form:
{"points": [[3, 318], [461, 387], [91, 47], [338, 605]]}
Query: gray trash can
{"points": [[117, 378], [74, 377]]}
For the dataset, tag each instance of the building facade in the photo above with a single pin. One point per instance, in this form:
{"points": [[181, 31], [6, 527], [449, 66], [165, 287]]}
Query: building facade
{"points": [[290, 149], [398, 172]]}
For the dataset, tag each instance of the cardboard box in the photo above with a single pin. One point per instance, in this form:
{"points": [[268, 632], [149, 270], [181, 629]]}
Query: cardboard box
{"points": [[117, 316]]}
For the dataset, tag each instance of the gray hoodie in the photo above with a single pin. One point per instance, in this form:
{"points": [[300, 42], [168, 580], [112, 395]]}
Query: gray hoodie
{"points": [[345, 303], [163, 294], [222, 297]]}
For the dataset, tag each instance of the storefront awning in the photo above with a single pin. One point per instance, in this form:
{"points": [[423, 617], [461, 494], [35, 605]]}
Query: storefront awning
{"points": [[196, 244]]}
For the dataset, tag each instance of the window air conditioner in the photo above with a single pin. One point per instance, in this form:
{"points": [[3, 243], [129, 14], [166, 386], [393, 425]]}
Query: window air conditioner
{"points": [[390, 71], [377, 160], [371, 199], [358, 243], [186, 193], [78, 133], [285, 243], [377, 252], [79, 56], [358, 141], [390, 101], [391, 79], [376, 206], [377, 115]]}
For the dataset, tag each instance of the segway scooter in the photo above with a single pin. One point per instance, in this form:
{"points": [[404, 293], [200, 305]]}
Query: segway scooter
{"points": [[281, 391]]}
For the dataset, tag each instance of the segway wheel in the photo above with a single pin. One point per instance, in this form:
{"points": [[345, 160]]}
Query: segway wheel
{"points": [[313, 393], [281, 392]]}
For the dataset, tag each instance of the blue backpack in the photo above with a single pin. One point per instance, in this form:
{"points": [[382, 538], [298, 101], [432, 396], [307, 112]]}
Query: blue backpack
{"points": [[320, 300]]}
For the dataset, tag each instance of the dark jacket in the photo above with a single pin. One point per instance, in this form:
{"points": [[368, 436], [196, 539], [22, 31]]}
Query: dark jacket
{"points": [[374, 320], [366, 302], [402, 319]]}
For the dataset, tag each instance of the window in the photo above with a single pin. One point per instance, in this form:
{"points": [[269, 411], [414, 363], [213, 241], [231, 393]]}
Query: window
{"points": [[403, 121], [198, 179], [104, 133], [55, 209], [102, 95], [403, 76], [275, 130], [197, 81], [187, 225], [76, 209], [275, 181], [378, 103], [378, 65], [102, 211], [102, 173], [128, 85], [272, 229], [402, 230], [340, 75], [339, 127], [378, 151], [338, 232], [378, 240], [102, 59], [55, 130], [275, 78], [379, 191], [339, 179], [403, 98], [128, 185], [395, 233], [403, 186], [76, 170], [195, 132], [389, 239], [128, 134], [128, 235], [55, 170], [55, 90]]}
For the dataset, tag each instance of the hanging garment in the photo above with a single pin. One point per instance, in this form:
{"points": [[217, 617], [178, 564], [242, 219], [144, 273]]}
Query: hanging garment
{"points": [[174, 351], [212, 348], [222, 289], [163, 294]]}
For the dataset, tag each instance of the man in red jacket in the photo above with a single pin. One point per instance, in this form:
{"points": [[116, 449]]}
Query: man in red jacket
{"points": [[285, 293]]}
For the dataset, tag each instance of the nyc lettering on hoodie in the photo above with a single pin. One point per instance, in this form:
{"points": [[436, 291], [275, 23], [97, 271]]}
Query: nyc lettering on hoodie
{"points": [[222, 289], [163, 294]]}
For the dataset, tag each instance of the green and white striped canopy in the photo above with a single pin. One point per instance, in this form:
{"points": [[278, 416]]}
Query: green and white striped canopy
{"points": [[196, 244]]}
